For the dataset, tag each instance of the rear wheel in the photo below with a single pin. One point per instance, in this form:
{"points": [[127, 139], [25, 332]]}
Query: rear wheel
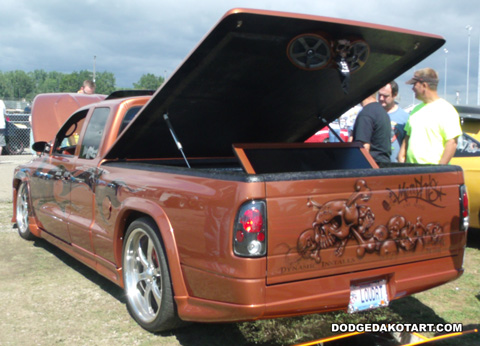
{"points": [[22, 212], [146, 276]]}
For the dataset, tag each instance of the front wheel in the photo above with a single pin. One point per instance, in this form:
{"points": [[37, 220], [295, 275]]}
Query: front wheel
{"points": [[146, 277], [15, 147], [22, 212]]}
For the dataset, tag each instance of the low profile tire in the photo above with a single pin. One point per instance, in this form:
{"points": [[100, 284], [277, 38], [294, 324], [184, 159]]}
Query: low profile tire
{"points": [[146, 277], [22, 212]]}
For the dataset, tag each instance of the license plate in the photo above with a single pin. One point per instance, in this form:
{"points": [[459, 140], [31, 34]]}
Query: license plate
{"points": [[368, 296]]}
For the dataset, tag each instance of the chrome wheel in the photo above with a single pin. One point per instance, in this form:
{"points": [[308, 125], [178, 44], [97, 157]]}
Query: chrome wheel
{"points": [[22, 212], [146, 278], [143, 275]]}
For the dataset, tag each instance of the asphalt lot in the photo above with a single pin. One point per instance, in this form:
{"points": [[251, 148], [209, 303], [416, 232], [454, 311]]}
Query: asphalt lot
{"points": [[7, 166]]}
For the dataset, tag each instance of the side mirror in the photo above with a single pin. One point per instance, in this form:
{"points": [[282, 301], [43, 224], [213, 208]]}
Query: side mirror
{"points": [[41, 147]]}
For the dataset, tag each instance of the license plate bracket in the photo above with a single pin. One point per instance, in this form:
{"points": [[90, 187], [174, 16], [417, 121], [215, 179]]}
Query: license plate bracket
{"points": [[368, 295]]}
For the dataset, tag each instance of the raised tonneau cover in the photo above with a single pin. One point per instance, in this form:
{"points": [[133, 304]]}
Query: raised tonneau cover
{"points": [[268, 77]]}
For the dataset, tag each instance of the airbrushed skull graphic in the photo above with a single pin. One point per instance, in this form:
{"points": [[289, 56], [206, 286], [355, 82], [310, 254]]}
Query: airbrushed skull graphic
{"points": [[337, 221]]}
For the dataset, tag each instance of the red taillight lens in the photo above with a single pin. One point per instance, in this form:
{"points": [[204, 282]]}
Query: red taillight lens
{"points": [[252, 220], [250, 230], [465, 204], [240, 236], [465, 219]]}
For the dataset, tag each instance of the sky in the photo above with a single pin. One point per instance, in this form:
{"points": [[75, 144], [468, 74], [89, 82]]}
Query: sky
{"points": [[133, 38]]}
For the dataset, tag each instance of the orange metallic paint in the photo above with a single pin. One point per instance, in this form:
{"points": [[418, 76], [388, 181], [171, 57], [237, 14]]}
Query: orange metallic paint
{"points": [[195, 218], [50, 112], [346, 214]]}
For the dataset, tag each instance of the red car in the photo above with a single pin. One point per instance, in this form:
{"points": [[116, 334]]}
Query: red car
{"points": [[323, 136]]}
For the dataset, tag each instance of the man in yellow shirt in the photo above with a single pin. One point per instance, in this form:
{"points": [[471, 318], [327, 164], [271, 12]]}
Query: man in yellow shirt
{"points": [[433, 126]]}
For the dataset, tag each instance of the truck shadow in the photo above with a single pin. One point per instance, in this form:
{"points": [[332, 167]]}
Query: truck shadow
{"points": [[193, 334], [82, 269], [409, 310], [473, 238], [414, 311]]}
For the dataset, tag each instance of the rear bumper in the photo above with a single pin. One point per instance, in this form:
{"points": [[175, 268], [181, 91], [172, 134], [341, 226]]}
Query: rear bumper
{"points": [[316, 295]]}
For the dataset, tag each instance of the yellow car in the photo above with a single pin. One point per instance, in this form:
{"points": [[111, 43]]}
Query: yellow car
{"points": [[468, 157]]}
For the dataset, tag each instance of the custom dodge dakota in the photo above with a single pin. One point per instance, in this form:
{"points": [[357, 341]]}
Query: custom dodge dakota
{"points": [[202, 200]]}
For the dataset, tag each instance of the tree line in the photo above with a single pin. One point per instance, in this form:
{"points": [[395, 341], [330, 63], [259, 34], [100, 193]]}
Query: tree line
{"points": [[17, 85]]}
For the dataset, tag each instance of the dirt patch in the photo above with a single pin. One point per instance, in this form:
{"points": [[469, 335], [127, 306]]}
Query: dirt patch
{"points": [[7, 166]]}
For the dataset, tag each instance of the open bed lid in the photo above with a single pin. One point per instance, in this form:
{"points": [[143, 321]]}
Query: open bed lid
{"points": [[50, 111], [261, 76]]}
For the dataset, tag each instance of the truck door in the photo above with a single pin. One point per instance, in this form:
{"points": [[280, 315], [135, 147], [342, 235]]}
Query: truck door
{"points": [[83, 178], [51, 186]]}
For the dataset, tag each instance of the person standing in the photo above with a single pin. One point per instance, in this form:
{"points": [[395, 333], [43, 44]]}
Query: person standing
{"points": [[398, 117], [3, 110], [88, 87], [372, 128], [334, 127], [433, 127]]}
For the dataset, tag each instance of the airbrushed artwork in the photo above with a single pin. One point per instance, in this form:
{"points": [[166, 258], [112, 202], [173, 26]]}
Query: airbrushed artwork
{"points": [[340, 221]]}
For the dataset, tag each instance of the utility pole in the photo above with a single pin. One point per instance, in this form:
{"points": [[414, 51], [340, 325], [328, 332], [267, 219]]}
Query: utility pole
{"points": [[469, 29], [94, 62], [445, 82], [478, 78]]}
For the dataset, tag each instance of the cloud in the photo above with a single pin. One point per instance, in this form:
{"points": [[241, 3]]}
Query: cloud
{"points": [[132, 38]]}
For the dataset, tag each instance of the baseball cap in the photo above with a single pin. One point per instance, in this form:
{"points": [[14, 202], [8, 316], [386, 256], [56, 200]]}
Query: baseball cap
{"points": [[422, 79]]}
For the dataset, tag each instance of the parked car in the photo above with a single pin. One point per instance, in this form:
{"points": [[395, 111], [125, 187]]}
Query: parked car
{"points": [[323, 136], [468, 157], [17, 133]]}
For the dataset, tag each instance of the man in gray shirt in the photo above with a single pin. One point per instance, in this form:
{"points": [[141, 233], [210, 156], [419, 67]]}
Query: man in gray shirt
{"points": [[398, 117]]}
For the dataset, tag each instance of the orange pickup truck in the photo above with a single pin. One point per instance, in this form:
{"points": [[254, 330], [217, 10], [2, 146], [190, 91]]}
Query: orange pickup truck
{"points": [[202, 201]]}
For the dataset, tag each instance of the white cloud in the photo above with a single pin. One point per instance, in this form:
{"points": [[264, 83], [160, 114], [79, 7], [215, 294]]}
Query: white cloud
{"points": [[131, 38]]}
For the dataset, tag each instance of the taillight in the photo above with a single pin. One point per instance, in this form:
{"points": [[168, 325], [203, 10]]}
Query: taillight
{"points": [[249, 236], [465, 218]]}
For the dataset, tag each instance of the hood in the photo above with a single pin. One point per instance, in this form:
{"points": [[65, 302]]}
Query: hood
{"points": [[50, 111], [261, 76]]}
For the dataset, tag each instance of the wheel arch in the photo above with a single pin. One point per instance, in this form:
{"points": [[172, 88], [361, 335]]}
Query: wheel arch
{"points": [[16, 185], [19, 178], [136, 208]]}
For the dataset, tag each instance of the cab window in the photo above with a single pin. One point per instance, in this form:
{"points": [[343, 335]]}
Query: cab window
{"points": [[94, 133], [67, 137]]}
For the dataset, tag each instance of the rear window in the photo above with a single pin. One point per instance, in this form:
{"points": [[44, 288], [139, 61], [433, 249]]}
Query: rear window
{"points": [[128, 118]]}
